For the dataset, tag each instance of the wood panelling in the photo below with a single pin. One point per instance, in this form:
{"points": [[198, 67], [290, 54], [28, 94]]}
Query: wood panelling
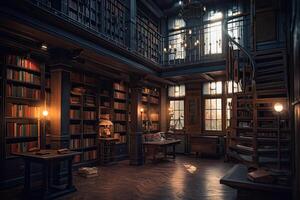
{"points": [[193, 108]]}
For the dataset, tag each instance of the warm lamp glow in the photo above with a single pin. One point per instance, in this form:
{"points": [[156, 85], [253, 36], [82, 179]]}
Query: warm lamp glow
{"points": [[278, 107], [45, 113], [142, 110]]}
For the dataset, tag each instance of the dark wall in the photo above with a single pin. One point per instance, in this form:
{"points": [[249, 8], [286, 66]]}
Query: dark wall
{"points": [[295, 46]]}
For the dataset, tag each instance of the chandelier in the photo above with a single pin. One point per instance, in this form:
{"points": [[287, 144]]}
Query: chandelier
{"points": [[191, 9]]}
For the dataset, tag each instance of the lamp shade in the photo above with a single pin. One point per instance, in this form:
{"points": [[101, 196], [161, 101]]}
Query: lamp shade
{"points": [[105, 123]]}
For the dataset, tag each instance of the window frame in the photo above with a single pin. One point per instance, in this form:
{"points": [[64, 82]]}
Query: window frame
{"points": [[176, 98], [223, 98]]}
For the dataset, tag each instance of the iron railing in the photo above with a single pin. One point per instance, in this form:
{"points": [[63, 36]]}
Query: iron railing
{"points": [[110, 20]]}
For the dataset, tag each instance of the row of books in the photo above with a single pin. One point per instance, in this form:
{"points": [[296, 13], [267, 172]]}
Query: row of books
{"points": [[118, 86], [22, 62], [119, 127], [120, 116], [105, 116], [144, 99], [120, 106], [154, 100], [90, 101], [88, 129], [121, 138], [16, 110], [22, 130], [74, 114], [119, 95], [76, 77], [76, 159], [23, 76], [23, 92], [74, 128], [75, 143], [105, 104], [89, 142], [90, 155], [153, 92], [75, 100], [22, 147], [89, 115]]}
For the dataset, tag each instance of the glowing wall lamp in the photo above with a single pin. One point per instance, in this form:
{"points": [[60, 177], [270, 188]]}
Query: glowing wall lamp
{"points": [[278, 107]]}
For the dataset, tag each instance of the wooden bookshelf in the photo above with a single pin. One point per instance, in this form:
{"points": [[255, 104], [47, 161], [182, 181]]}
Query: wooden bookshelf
{"points": [[120, 119], [22, 95], [83, 125], [151, 105]]}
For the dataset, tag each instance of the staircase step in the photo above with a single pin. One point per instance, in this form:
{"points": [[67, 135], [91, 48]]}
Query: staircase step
{"points": [[274, 69], [269, 65], [278, 77]]}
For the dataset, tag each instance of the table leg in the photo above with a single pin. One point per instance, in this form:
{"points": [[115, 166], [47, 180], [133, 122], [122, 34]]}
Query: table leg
{"points": [[165, 151], [70, 177], [27, 181], [45, 186]]}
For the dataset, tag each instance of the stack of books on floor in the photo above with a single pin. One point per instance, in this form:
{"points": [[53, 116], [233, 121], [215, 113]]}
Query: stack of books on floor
{"points": [[88, 172]]}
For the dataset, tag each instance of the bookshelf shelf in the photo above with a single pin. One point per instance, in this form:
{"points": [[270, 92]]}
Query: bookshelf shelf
{"points": [[150, 101], [16, 67], [26, 84], [22, 95], [20, 139], [83, 130]]}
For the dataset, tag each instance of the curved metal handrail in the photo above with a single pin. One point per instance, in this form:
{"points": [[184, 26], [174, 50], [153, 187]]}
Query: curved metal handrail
{"points": [[245, 51]]}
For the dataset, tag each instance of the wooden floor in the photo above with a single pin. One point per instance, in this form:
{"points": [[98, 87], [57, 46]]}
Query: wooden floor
{"points": [[186, 178]]}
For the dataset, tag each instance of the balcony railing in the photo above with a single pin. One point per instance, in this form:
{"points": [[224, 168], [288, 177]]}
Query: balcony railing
{"points": [[110, 20]]}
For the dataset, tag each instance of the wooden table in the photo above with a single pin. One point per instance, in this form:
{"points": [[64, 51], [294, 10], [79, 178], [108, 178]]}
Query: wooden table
{"points": [[237, 178], [47, 191], [155, 146]]}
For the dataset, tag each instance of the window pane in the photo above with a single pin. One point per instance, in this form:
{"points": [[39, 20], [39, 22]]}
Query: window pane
{"points": [[177, 114], [213, 114], [207, 125], [176, 91], [212, 88]]}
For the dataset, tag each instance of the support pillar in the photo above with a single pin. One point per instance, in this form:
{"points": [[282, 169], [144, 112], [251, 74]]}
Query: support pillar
{"points": [[136, 133], [59, 112]]}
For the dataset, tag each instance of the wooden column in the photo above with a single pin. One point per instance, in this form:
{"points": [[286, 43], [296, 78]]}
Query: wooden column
{"points": [[136, 129], [164, 110], [59, 111]]}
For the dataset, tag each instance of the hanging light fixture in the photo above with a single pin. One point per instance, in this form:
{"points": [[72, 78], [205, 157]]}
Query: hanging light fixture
{"points": [[192, 9]]}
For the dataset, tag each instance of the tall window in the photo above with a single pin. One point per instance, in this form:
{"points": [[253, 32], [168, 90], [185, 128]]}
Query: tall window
{"points": [[235, 26], [213, 114], [213, 33], [177, 114], [176, 111], [213, 106], [176, 47]]}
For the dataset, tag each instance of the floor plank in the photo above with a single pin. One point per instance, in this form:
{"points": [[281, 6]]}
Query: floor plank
{"points": [[185, 178]]}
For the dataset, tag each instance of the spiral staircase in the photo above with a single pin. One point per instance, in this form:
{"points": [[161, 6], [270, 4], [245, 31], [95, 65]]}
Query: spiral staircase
{"points": [[258, 136]]}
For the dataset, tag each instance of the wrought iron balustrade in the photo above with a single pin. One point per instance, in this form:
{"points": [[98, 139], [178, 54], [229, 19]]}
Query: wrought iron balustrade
{"points": [[110, 20]]}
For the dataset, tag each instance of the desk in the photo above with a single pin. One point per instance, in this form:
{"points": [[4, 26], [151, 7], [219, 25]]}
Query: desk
{"points": [[154, 147], [248, 190], [47, 161]]}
